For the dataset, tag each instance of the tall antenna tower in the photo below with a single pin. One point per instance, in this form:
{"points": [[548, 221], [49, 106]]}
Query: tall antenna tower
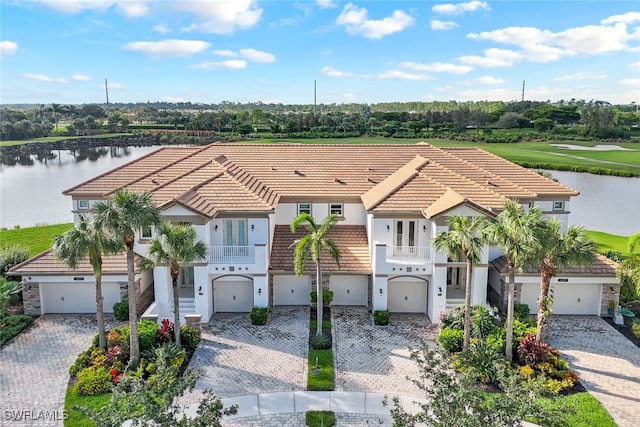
{"points": [[106, 90], [522, 91], [314, 98]]}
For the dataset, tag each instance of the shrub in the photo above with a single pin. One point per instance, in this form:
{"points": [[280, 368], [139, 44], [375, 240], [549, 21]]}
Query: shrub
{"points": [[381, 317], [496, 339], [259, 315], [521, 312], [451, 339], [320, 342], [98, 357], [452, 319], [121, 310], [635, 328], [93, 380], [116, 337], [327, 297], [533, 352], [481, 322], [166, 332], [189, 337], [11, 256], [147, 334], [482, 360], [82, 362], [8, 291]]}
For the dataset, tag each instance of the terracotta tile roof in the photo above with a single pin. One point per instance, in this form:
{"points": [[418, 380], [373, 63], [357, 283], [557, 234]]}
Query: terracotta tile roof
{"points": [[350, 239], [252, 177], [47, 264], [601, 266]]}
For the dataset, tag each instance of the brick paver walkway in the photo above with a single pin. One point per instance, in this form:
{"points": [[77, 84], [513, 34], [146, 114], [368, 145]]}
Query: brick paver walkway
{"points": [[376, 358], [34, 368], [237, 358], [606, 362]]}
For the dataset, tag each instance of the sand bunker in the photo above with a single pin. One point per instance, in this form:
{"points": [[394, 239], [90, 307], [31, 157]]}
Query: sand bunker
{"points": [[596, 148]]}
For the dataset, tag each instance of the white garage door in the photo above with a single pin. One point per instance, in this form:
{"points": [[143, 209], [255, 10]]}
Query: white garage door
{"points": [[407, 297], [349, 289], [77, 297], [232, 296], [291, 290], [569, 298]]}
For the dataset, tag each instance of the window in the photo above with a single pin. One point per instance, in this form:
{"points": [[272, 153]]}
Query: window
{"points": [[145, 232], [336, 208], [558, 206], [83, 205], [304, 208]]}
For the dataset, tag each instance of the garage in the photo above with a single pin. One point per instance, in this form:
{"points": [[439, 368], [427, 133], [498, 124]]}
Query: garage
{"points": [[74, 297], [407, 296], [568, 298], [349, 289], [291, 290], [232, 295]]}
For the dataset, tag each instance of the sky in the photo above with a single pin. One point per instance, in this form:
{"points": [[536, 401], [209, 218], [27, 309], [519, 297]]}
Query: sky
{"points": [[209, 51]]}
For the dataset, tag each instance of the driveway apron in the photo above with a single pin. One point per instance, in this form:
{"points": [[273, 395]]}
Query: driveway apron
{"points": [[376, 358], [606, 362], [238, 358], [34, 368]]}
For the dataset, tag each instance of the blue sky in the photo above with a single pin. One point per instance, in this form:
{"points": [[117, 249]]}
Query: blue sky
{"points": [[210, 51]]}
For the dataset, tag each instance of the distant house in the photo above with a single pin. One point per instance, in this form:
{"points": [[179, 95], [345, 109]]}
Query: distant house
{"points": [[391, 200]]}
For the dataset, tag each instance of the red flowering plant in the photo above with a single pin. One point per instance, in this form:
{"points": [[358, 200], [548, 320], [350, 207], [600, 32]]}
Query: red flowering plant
{"points": [[166, 331], [115, 377]]}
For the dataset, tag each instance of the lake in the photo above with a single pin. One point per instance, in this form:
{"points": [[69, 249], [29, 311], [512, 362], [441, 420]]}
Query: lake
{"points": [[31, 189]]}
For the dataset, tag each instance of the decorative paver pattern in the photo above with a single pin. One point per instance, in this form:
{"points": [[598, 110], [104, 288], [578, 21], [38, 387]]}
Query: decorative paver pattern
{"points": [[376, 358], [34, 368], [238, 358], [607, 363], [297, 420]]}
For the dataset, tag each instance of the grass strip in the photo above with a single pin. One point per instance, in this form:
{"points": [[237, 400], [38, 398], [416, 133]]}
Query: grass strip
{"points": [[320, 418], [320, 376], [326, 324], [72, 400], [35, 239]]}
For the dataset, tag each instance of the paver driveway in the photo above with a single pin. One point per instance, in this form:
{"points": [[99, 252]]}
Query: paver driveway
{"points": [[34, 368], [376, 358], [237, 358], [606, 362]]}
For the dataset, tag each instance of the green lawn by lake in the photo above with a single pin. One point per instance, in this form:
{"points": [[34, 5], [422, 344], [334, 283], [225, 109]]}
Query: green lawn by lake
{"points": [[36, 239]]}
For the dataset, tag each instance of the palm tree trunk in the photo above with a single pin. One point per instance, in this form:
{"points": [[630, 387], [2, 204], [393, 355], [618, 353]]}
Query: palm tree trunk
{"points": [[467, 308], [102, 336], [176, 307], [543, 302], [319, 299], [134, 343], [508, 348]]}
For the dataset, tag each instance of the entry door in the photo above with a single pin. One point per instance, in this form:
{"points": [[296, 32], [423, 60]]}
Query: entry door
{"points": [[405, 241], [235, 233]]}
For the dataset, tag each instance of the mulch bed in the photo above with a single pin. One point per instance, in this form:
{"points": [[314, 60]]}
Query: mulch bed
{"points": [[626, 328]]}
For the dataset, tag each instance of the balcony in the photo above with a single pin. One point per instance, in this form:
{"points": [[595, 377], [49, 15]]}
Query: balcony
{"points": [[246, 259], [403, 259]]}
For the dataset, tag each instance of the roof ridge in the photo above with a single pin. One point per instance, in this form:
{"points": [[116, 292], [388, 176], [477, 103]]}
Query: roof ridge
{"points": [[178, 177], [244, 178]]}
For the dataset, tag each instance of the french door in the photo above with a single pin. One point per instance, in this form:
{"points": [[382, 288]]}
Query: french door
{"points": [[405, 237]]}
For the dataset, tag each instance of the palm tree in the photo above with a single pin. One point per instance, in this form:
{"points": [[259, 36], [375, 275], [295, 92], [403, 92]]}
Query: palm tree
{"points": [[466, 237], [56, 109], [514, 231], [313, 244], [86, 240], [557, 251], [174, 246], [123, 215]]}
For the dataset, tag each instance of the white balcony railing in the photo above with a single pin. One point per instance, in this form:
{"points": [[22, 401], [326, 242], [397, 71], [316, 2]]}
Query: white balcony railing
{"points": [[408, 255], [232, 254]]}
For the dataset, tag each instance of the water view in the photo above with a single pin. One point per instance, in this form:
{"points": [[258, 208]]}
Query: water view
{"points": [[31, 189]]}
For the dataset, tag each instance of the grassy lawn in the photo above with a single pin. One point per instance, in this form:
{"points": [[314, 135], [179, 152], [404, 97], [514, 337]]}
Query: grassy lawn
{"points": [[609, 242], [326, 324], [323, 380], [76, 419], [36, 239], [588, 411], [320, 418]]}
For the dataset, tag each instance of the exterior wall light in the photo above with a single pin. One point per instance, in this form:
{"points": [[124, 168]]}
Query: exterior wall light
{"points": [[259, 291], [381, 291]]}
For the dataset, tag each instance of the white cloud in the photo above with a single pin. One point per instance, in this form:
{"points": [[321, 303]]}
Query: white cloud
{"points": [[332, 72], [356, 22], [635, 66], [227, 53], [459, 8], [580, 76], [162, 29], [489, 80], [172, 99], [8, 47], [134, 9], [167, 48], [45, 78], [396, 74], [254, 55], [326, 4], [80, 78], [630, 82], [75, 6], [438, 25], [231, 64], [221, 17], [437, 67], [493, 58], [626, 18], [349, 97]]}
